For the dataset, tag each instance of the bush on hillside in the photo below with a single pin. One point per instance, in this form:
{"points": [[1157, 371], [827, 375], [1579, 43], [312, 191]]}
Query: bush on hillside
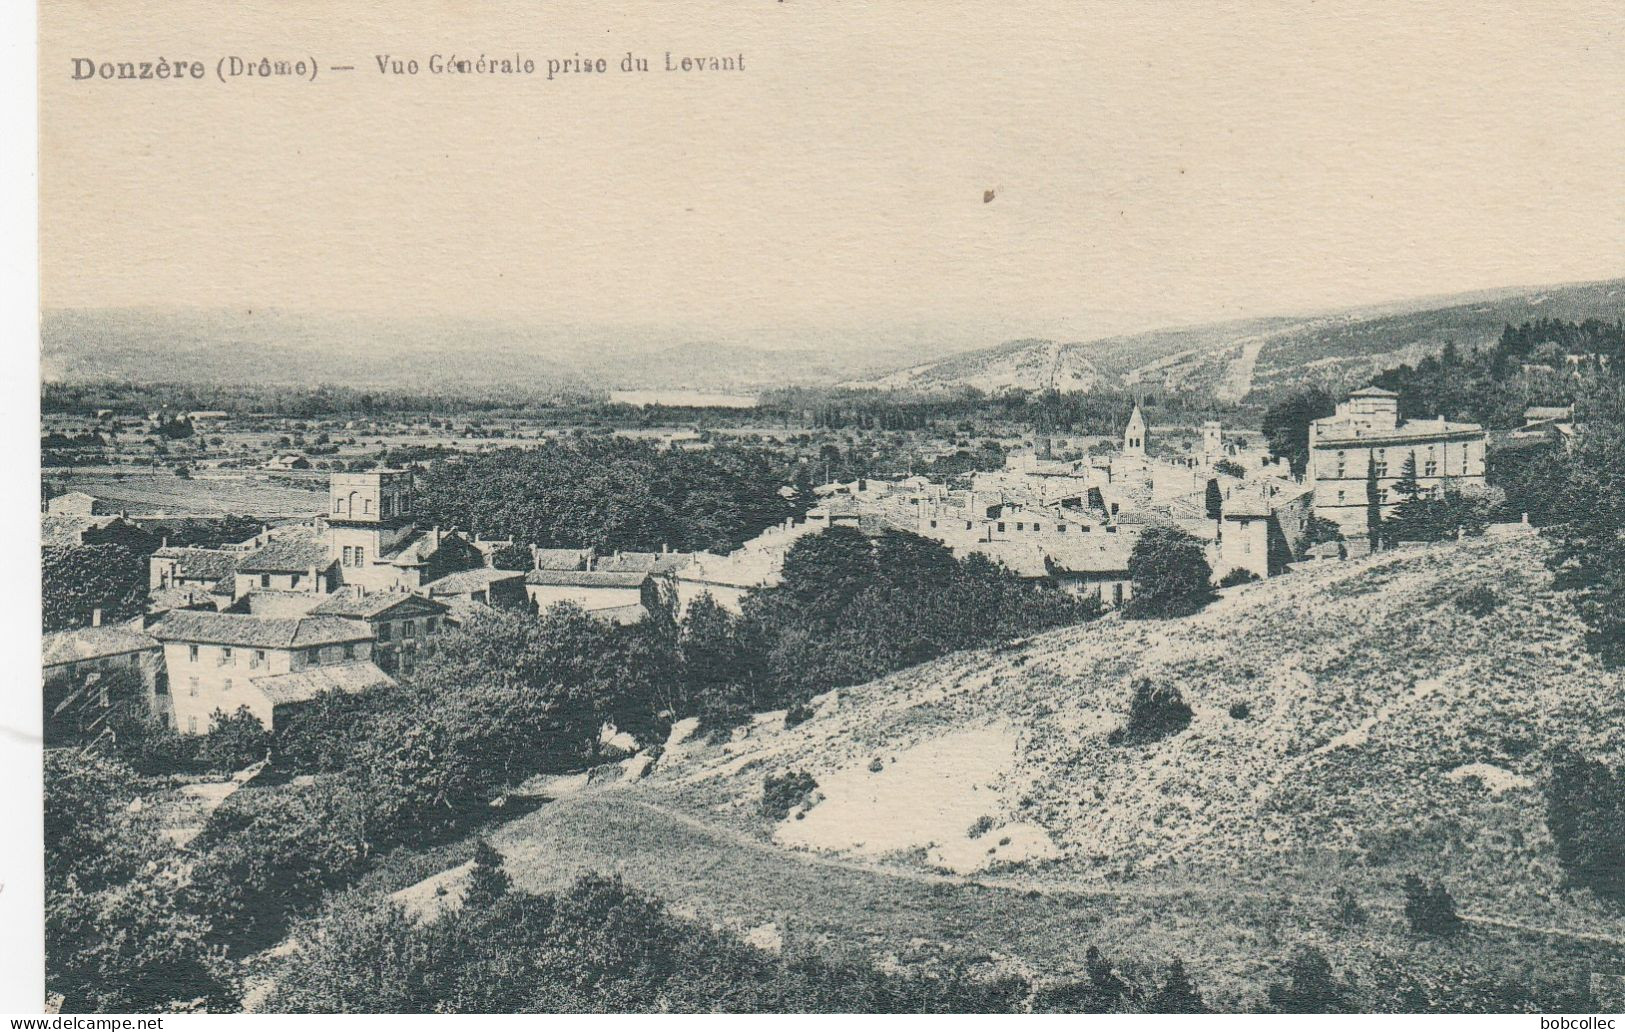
{"points": [[1429, 908], [1237, 576], [1309, 987], [597, 946], [1585, 810], [782, 793], [1480, 600], [1155, 712]]}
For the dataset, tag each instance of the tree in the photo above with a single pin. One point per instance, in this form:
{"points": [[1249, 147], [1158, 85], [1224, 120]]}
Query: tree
{"points": [[1171, 574], [512, 557], [1214, 500], [267, 853], [1585, 810], [1309, 987], [1176, 995], [1412, 518], [132, 947], [487, 881], [1373, 507], [76, 580], [1286, 425], [1589, 557], [1429, 908]]}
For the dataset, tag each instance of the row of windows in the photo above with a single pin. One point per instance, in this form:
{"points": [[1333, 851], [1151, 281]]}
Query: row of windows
{"points": [[356, 556], [408, 628], [1060, 528], [228, 656], [357, 504]]}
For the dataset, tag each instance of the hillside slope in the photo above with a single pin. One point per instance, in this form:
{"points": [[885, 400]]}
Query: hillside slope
{"points": [[1385, 730], [1252, 359]]}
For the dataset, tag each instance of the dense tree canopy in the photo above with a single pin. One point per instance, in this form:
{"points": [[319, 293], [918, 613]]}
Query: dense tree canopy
{"points": [[77, 580], [608, 493]]}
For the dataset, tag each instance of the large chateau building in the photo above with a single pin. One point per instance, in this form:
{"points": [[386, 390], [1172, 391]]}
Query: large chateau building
{"points": [[1366, 443]]}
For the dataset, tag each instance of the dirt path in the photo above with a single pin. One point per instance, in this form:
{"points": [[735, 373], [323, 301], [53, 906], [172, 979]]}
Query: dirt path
{"points": [[1086, 888]]}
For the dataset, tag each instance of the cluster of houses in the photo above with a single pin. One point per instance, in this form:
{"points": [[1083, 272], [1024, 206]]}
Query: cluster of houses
{"points": [[345, 601]]}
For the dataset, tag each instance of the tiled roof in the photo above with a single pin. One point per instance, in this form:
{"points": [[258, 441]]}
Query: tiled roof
{"points": [[208, 564], [367, 607], [289, 556], [264, 602], [92, 643], [304, 685], [163, 599], [587, 578], [464, 581], [258, 631], [562, 558], [644, 562]]}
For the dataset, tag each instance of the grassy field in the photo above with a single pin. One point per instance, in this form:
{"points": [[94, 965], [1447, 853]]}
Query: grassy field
{"points": [[1382, 731]]}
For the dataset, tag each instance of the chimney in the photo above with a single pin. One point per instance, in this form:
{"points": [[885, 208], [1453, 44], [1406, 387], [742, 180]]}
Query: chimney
{"points": [[95, 618]]}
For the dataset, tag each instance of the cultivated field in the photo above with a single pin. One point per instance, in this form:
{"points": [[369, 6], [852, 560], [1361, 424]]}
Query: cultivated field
{"points": [[144, 493]]}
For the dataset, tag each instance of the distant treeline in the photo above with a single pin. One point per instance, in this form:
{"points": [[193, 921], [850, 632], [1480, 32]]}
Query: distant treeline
{"points": [[1492, 387]]}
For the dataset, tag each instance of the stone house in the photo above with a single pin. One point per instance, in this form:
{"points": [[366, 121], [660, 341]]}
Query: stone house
{"points": [[224, 661]]}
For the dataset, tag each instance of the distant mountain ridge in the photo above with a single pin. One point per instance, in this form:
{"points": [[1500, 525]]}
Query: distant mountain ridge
{"points": [[298, 348], [1227, 361], [1233, 361]]}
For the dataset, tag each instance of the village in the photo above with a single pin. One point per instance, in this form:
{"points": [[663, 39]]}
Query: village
{"points": [[344, 600]]}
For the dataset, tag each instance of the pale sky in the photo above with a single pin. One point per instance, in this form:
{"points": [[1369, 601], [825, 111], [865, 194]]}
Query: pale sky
{"points": [[1165, 162]]}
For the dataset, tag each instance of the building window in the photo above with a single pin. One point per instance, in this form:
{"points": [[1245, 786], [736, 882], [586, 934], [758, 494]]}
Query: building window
{"points": [[358, 555], [383, 632], [1060, 528], [191, 687], [349, 652], [1342, 496], [408, 629], [345, 560], [265, 580], [338, 505], [293, 581], [258, 659], [1431, 468], [191, 725], [227, 684], [933, 524], [191, 653], [1001, 528], [366, 506], [225, 655]]}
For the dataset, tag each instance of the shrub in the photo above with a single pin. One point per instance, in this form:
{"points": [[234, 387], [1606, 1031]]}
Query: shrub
{"points": [[1585, 810], [1237, 576], [1155, 712], [782, 793], [1171, 575], [876, 766], [1309, 986], [1176, 995], [1478, 601], [1429, 908], [1240, 710], [797, 714], [980, 827]]}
